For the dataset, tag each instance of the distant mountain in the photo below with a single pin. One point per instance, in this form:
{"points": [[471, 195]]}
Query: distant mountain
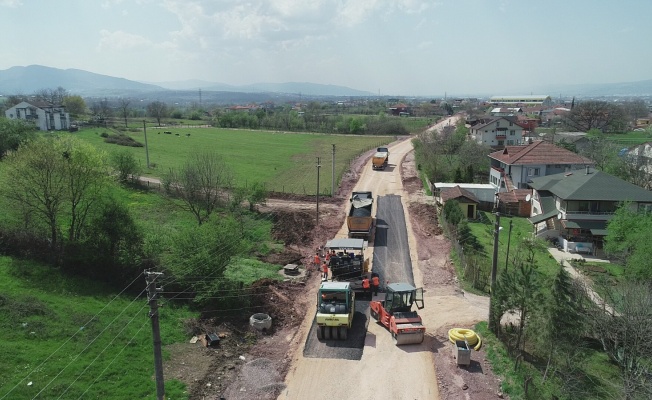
{"points": [[302, 88], [634, 89], [26, 80]]}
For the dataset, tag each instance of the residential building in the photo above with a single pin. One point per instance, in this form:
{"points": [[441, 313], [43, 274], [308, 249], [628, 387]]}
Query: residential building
{"points": [[484, 193], [522, 100], [45, 116], [515, 166], [575, 207], [467, 201], [497, 132]]}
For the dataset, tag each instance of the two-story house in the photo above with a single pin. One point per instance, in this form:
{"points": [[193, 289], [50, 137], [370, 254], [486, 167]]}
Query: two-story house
{"points": [[515, 166], [575, 207], [497, 132], [44, 115]]}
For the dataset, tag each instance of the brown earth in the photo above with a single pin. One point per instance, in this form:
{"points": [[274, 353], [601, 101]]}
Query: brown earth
{"points": [[222, 373]]}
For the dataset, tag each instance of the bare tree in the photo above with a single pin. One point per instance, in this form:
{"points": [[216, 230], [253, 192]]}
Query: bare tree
{"points": [[198, 184], [54, 96], [158, 110], [124, 103], [594, 114], [624, 335], [101, 110]]}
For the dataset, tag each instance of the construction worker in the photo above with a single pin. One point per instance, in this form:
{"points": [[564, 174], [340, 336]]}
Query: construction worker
{"points": [[365, 285], [324, 270], [375, 283], [328, 257], [317, 261]]}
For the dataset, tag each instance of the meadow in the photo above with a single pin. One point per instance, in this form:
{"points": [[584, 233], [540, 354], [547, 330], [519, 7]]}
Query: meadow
{"points": [[65, 337], [284, 162]]}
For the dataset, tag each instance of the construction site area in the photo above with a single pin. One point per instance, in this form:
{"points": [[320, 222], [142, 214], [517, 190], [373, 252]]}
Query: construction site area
{"points": [[342, 327]]}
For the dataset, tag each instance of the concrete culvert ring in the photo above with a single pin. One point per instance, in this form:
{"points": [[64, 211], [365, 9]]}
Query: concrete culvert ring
{"points": [[260, 321]]}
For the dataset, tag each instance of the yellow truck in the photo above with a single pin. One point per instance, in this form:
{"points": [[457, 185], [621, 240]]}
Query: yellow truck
{"points": [[380, 158], [359, 221]]}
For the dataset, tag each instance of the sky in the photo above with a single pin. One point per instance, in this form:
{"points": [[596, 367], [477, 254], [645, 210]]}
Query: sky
{"points": [[387, 47]]}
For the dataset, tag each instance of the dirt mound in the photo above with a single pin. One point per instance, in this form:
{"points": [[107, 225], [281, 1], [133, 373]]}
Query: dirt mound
{"points": [[428, 214], [292, 227]]}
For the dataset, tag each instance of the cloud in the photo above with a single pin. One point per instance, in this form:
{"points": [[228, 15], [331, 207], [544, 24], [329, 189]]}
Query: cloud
{"points": [[119, 40], [11, 3]]}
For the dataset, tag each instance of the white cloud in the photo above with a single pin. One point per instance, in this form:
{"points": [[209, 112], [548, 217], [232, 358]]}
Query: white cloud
{"points": [[119, 40], [11, 3]]}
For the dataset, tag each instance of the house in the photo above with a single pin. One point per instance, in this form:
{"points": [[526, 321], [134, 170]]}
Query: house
{"points": [[467, 200], [575, 207], [497, 132], [483, 192], [505, 111], [522, 100], [515, 166], [46, 116], [400, 110]]}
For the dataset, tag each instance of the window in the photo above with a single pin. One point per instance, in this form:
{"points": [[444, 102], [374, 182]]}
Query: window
{"points": [[501, 142], [511, 124], [533, 172], [497, 124], [512, 132]]}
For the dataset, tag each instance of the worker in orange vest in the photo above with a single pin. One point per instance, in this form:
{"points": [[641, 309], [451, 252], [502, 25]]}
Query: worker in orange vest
{"points": [[324, 270], [328, 257], [375, 282], [365, 284], [317, 261]]}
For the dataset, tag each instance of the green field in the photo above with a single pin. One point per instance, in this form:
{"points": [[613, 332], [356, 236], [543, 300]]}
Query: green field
{"points": [[70, 338], [285, 162]]}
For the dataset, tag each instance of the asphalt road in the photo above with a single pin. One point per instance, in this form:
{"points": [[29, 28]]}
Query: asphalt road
{"points": [[391, 250]]}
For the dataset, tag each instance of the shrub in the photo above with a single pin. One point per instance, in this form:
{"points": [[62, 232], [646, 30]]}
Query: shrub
{"points": [[122, 140]]}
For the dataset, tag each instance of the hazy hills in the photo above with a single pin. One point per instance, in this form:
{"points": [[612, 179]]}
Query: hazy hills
{"points": [[26, 80]]}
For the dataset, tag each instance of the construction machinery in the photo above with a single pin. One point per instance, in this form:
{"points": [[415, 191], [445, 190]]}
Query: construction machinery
{"points": [[380, 158], [359, 221], [347, 260], [395, 313], [335, 309]]}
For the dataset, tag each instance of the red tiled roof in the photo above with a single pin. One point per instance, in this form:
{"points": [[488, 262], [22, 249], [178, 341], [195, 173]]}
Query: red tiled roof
{"points": [[455, 193], [539, 152]]}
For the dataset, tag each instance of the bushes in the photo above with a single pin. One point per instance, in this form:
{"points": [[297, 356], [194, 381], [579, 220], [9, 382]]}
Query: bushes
{"points": [[121, 140]]}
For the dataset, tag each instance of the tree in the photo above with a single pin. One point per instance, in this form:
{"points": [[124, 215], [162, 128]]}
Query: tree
{"points": [[158, 110], [453, 212], [101, 110], [57, 179], [594, 114], [628, 239], [601, 150], [624, 335], [14, 132], [126, 165], [198, 184], [54, 96], [75, 105], [123, 104]]}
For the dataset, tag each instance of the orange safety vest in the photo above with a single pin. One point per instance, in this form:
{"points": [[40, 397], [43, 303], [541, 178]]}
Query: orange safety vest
{"points": [[324, 268], [317, 259], [375, 281], [328, 257], [365, 283]]}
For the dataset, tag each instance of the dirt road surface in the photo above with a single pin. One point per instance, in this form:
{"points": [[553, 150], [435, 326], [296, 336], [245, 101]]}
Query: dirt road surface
{"points": [[385, 370]]}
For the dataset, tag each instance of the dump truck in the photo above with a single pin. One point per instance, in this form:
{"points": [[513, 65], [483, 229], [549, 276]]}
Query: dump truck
{"points": [[359, 221], [380, 158], [335, 309], [347, 262], [395, 313]]}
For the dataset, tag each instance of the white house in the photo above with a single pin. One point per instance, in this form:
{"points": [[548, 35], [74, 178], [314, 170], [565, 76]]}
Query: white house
{"points": [[45, 116], [522, 100], [514, 167], [497, 132]]}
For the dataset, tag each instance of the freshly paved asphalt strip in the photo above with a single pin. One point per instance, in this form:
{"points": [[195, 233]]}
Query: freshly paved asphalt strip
{"points": [[391, 250], [349, 349]]}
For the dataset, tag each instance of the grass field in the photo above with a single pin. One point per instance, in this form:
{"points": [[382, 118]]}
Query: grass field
{"points": [[68, 338], [285, 162]]}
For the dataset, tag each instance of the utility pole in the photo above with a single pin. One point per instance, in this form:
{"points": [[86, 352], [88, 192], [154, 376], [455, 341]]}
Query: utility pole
{"points": [[509, 238], [494, 267], [146, 148], [333, 174], [318, 167], [152, 295]]}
